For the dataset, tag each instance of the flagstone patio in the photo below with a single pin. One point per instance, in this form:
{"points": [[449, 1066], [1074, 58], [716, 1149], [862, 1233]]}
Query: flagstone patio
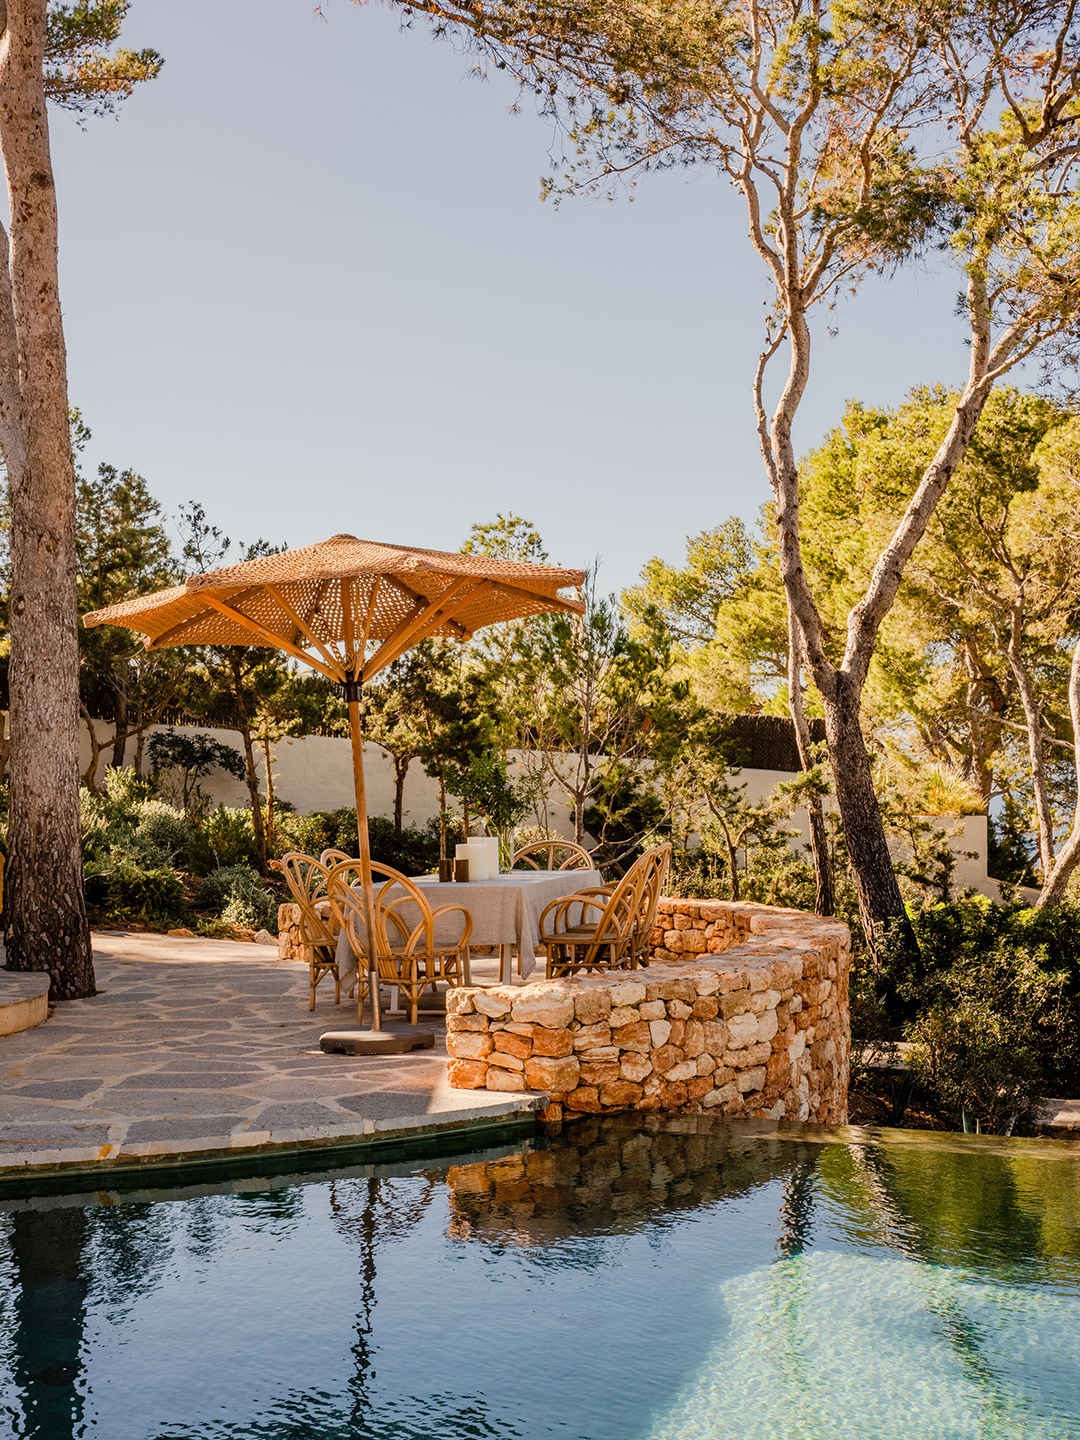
{"points": [[196, 1046]]}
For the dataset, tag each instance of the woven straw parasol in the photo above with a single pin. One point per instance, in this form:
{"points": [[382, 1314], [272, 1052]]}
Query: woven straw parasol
{"points": [[348, 608]]}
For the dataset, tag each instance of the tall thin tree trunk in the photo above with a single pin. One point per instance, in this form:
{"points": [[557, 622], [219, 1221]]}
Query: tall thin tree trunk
{"points": [[1044, 819], [1056, 879], [120, 728], [880, 903], [824, 894], [89, 775], [44, 901], [401, 771], [140, 747], [268, 761], [442, 816], [252, 777]]}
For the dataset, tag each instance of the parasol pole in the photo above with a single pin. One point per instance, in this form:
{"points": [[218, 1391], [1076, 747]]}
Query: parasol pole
{"points": [[352, 695]]}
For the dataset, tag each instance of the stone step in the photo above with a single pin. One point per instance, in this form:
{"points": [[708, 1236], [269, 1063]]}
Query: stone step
{"points": [[24, 1000]]}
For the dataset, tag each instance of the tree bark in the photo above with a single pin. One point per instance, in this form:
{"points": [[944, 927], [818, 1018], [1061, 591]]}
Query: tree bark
{"points": [[89, 775], [120, 729], [401, 771], [45, 904], [1057, 877], [881, 906], [269, 762], [824, 892], [1033, 722]]}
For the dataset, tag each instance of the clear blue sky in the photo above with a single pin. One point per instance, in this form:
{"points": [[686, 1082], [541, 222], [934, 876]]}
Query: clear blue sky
{"points": [[309, 282]]}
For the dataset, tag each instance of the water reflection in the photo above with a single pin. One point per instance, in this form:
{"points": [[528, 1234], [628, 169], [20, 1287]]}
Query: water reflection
{"points": [[625, 1172], [50, 1314], [373, 1303]]}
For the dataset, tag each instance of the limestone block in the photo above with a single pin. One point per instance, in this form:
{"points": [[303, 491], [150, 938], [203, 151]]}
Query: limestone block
{"points": [[510, 1044], [751, 1079], [591, 1006], [705, 1007], [659, 1030], [694, 942], [698, 1087], [678, 1010], [673, 1095], [620, 1092], [716, 1036], [635, 1067], [490, 1002], [591, 1035], [766, 1025], [553, 1043], [678, 1030], [506, 1062], [705, 1064], [559, 1074], [516, 1029], [693, 1040], [627, 992], [545, 1008], [685, 1070], [664, 1057], [459, 1001], [599, 1074], [467, 1074], [623, 1015], [468, 1045], [653, 1010], [743, 1029], [505, 1080], [466, 1022], [633, 1037], [736, 1002], [598, 1053], [585, 1097], [724, 1095]]}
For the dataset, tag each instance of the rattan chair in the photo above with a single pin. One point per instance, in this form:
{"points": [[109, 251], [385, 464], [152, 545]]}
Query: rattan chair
{"points": [[307, 881], [568, 855], [330, 858], [653, 869], [410, 958], [590, 930]]}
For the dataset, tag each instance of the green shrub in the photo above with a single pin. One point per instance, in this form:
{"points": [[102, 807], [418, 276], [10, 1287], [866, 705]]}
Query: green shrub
{"points": [[225, 839], [163, 827], [125, 890], [1015, 969], [238, 896], [413, 852]]}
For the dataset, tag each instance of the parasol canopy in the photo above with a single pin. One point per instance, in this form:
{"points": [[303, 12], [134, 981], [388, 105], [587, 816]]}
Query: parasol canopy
{"points": [[326, 604], [329, 604]]}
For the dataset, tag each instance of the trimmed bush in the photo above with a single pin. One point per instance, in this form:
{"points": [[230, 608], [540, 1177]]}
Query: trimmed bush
{"points": [[164, 828]]}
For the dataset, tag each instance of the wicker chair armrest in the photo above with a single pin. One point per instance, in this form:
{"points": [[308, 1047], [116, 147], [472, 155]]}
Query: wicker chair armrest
{"points": [[561, 907]]}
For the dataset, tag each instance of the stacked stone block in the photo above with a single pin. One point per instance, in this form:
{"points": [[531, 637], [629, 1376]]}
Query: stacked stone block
{"points": [[756, 1026], [290, 939]]}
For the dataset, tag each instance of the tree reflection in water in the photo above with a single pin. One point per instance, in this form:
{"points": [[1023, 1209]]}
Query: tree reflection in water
{"points": [[50, 1314]]}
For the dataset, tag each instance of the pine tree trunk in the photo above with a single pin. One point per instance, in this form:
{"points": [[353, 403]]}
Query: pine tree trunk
{"points": [[120, 729], [881, 906], [44, 901], [401, 770], [252, 776], [824, 892]]}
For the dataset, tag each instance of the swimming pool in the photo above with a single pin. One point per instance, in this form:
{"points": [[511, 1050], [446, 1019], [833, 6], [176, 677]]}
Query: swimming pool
{"points": [[634, 1279]]}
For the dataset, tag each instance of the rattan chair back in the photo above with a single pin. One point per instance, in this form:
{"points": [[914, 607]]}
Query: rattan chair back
{"points": [[555, 854], [409, 956], [307, 881]]}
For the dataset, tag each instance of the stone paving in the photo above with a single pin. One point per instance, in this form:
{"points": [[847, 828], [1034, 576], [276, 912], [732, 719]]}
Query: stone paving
{"points": [[199, 1045]]}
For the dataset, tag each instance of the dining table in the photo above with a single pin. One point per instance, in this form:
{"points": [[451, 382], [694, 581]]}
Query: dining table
{"points": [[505, 912]]}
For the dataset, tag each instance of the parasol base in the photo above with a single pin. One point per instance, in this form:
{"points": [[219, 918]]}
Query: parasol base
{"points": [[377, 1042]]}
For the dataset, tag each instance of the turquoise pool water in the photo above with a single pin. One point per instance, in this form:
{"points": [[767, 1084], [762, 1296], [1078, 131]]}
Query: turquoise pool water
{"points": [[628, 1281]]}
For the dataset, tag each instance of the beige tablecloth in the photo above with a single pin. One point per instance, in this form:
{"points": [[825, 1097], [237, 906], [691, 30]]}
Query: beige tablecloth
{"points": [[505, 910]]}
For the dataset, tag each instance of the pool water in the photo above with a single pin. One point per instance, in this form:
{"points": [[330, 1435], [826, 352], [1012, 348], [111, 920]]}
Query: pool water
{"points": [[633, 1279]]}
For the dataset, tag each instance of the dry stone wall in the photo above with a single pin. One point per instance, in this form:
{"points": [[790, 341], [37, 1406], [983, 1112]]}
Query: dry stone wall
{"points": [[743, 1010]]}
